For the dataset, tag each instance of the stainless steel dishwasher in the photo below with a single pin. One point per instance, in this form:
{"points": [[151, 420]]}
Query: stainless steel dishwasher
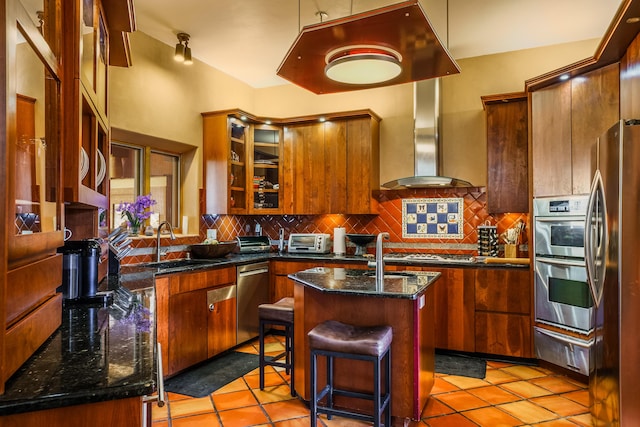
{"points": [[252, 290]]}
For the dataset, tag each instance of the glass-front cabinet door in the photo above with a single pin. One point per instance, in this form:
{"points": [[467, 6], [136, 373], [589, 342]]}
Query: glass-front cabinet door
{"points": [[33, 145], [266, 154]]}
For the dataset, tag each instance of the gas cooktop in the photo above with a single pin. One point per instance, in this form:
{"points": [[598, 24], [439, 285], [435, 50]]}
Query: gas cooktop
{"points": [[436, 258]]}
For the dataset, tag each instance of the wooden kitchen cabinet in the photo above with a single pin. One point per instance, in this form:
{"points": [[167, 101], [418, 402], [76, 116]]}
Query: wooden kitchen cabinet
{"points": [[507, 152], [332, 166], [292, 166], [566, 120], [595, 107], [454, 297], [316, 166], [225, 163], [265, 196], [503, 312], [189, 329]]}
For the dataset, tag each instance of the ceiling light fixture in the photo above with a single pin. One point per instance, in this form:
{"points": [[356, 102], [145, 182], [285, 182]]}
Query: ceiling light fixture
{"points": [[397, 39], [183, 51], [363, 65]]}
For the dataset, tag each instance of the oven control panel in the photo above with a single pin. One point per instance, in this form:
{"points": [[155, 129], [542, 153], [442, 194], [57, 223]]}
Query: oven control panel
{"points": [[568, 205]]}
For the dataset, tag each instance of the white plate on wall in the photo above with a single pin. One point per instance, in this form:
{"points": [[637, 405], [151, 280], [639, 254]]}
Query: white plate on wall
{"points": [[102, 168], [84, 163]]}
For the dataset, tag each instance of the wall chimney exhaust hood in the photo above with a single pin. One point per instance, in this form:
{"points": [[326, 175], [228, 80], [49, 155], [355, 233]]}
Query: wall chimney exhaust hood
{"points": [[426, 142]]}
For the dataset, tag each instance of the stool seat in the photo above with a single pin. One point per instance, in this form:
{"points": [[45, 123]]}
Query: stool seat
{"points": [[281, 310], [278, 314], [340, 337], [335, 340]]}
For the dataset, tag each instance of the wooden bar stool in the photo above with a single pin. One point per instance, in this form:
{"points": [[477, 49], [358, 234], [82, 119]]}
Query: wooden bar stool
{"points": [[279, 313], [334, 339]]}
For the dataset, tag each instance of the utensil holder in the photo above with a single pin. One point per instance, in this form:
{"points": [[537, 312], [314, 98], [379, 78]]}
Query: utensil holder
{"points": [[487, 240], [510, 250]]}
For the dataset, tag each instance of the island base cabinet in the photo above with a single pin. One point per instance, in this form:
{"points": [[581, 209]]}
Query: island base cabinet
{"points": [[110, 413], [412, 348]]}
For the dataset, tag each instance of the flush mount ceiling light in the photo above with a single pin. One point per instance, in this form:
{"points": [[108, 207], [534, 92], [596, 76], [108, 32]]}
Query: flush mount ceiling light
{"points": [[363, 65], [396, 38], [183, 51]]}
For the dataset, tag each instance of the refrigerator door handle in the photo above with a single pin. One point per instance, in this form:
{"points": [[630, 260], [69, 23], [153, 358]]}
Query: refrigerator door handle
{"points": [[596, 238]]}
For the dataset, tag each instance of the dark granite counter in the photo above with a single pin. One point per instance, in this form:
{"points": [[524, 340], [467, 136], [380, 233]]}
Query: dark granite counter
{"points": [[108, 351], [101, 352], [396, 284]]}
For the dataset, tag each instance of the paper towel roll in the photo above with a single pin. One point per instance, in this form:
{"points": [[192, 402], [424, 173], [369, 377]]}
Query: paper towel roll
{"points": [[339, 244]]}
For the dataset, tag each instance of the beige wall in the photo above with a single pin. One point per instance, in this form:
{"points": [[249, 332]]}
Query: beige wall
{"points": [[162, 98], [463, 120]]}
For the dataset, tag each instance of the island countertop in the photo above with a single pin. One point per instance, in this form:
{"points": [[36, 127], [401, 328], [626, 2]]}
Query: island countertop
{"points": [[396, 284]]}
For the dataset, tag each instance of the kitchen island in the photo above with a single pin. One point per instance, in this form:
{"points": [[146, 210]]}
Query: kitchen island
{"points": [[404, 301]]}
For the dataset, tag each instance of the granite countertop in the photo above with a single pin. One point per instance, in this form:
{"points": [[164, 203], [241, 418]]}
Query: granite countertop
{"points": [[101, 352], [396, 284], [108, 351]]}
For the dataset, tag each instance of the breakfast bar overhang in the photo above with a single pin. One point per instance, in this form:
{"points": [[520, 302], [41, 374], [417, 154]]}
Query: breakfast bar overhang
{"points": [[404, 301]]}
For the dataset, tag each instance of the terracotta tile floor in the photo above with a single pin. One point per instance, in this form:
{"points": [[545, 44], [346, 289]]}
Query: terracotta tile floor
{"points": [[510, 395]]}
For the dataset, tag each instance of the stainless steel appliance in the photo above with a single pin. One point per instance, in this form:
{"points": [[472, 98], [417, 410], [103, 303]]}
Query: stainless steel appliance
{"points": [[611, 243], [252, 290], [562, 297], [561, 289], [248, 244], [309, 243]]}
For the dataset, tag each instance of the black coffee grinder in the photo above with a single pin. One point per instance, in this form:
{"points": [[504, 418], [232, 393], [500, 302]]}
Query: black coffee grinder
{"points": [[80, 270]]}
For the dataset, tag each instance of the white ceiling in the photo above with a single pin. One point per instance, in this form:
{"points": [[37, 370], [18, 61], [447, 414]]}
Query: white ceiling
{"points": [[248, 39]]}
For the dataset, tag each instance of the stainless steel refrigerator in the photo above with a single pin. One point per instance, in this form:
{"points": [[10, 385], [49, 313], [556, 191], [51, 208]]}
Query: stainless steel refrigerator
{"points": [[612, 248]]}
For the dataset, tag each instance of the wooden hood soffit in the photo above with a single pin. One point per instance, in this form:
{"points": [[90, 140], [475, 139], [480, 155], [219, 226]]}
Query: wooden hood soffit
{"points": [[402, 27]]}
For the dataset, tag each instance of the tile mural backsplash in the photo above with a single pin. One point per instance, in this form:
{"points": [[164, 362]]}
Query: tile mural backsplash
{"points": [[472, 214], [432, 218], [390, 219]]}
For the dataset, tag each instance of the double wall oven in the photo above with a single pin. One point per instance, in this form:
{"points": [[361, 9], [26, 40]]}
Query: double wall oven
{"points": [[563, 303]]}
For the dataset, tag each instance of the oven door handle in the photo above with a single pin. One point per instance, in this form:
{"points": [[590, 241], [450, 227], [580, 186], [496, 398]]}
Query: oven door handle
{"points": [[579, 219], [566, 338], [561, 262]]}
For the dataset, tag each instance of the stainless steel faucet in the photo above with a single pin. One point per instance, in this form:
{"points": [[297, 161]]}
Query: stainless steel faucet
{"points": [[379, 263], [173, 236]]}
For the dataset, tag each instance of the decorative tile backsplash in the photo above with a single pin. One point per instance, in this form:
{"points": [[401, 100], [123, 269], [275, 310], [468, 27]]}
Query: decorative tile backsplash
{"points": [[473, 214], [439, 218]]}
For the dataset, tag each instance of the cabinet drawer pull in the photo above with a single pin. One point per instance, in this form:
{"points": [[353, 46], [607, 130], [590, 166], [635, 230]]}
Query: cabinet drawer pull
{"points": [[211, 307]]}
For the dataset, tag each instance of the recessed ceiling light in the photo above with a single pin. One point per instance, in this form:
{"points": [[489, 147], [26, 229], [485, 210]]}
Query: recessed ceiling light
{"points": [[633, 20]]}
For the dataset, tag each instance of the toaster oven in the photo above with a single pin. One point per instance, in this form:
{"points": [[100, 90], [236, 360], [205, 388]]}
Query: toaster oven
{"points": [[317, 243]]}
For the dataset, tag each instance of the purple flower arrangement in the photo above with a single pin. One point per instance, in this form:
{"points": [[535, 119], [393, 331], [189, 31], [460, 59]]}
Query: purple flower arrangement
{"points": [[136, 212]]}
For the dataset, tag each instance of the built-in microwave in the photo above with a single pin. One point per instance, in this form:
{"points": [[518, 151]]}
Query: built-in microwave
{"points": [[317, 243], [559, 224]]}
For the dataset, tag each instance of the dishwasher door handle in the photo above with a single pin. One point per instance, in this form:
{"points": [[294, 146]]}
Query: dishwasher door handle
{"points": [[253, 272]]}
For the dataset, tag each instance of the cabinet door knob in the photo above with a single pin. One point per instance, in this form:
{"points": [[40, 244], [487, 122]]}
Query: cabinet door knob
{"points": [[211, 307]]}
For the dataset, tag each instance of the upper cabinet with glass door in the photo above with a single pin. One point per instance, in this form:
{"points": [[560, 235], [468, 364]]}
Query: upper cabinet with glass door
{"points": [[266, 196], [88, 25], [33, 174], [86, 135]]}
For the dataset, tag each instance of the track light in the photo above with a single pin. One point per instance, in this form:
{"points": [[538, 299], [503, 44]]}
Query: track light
{"points": [[183, 51]]}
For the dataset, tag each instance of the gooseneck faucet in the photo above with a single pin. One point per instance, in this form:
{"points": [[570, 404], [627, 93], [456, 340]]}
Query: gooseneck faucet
{"points": [[379, 263], [173, 236]]}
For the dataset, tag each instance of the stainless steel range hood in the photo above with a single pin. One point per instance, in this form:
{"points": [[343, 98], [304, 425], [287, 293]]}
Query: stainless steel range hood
{"points": [[426, 142]]}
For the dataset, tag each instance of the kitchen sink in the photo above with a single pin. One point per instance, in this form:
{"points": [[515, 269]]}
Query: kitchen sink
{"points": [[175, 263]]}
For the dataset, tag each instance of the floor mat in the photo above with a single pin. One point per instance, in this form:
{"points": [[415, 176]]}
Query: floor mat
{"points": [[456, 364], [206, 378]]}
